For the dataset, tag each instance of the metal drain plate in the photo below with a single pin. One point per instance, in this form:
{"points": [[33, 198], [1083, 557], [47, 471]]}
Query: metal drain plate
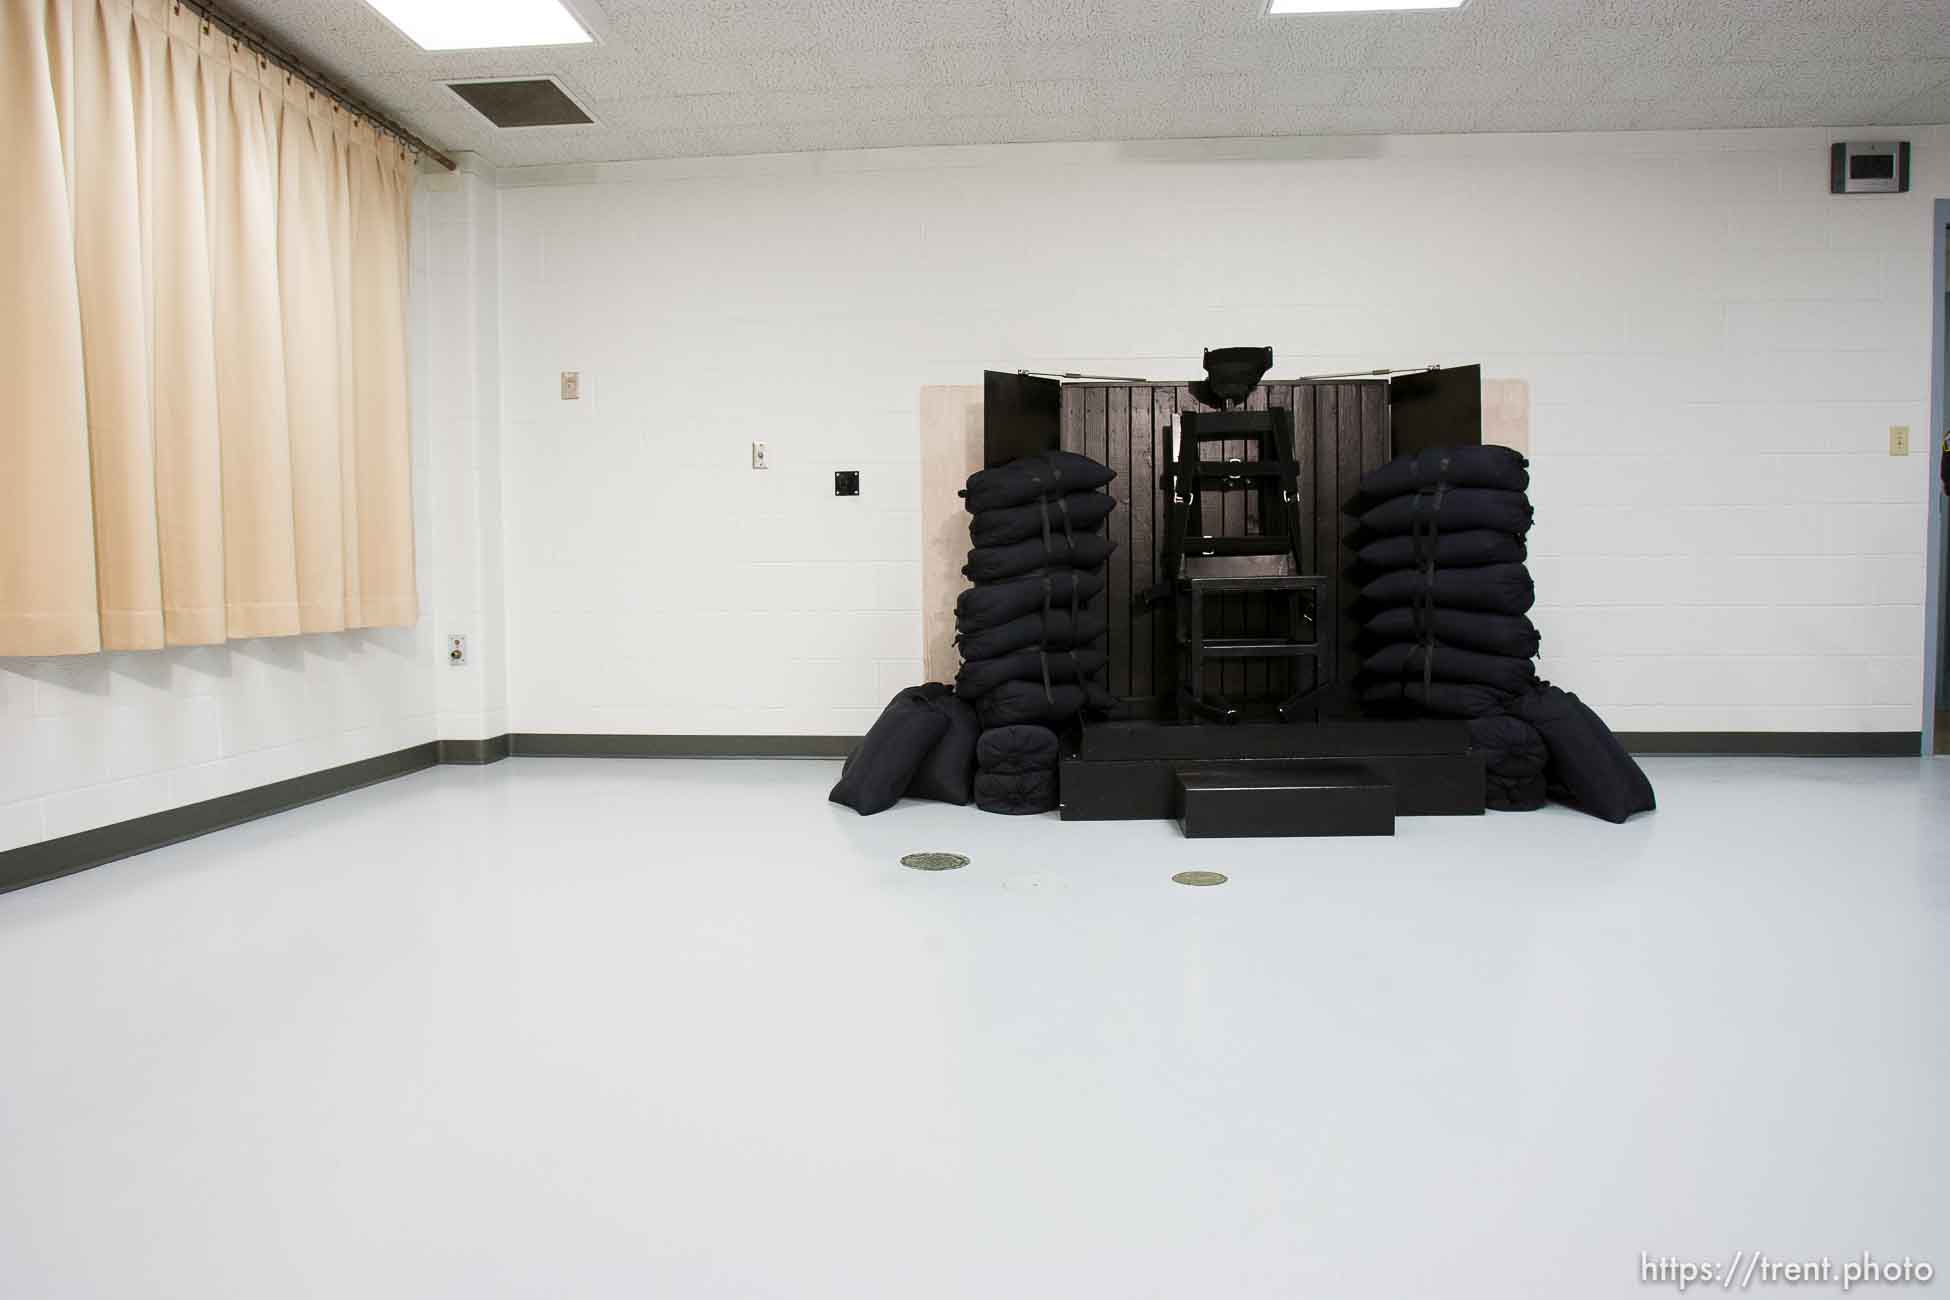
{"points": [[1199, 878], [934, 861]]}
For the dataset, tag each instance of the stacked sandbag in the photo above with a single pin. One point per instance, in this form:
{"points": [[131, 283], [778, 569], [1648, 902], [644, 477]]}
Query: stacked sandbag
{"points": [[1445, 593], [1445, 632], [1015, 769], [1030, 627], [921, 747]]}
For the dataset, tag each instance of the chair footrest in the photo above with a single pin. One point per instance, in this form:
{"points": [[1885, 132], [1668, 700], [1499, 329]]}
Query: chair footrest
{"points": [[1270, 582], [1238, 546], [1240, 647], [1219, 471]]}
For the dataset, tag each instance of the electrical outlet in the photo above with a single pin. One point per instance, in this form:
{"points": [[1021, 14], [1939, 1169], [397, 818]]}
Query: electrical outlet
{"points": [[1899, 440], [571, 385], [758, 456], [456, 650]]}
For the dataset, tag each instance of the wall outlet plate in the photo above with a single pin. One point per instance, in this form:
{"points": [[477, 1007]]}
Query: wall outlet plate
{"points": [[1899, 440], [456, 651], [846, 483], [758, 456], [571, 385]]}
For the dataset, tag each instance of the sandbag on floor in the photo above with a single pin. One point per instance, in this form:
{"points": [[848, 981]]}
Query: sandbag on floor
{"points": [[1515, 793], [1438, 699], [1459, 467], [878, 773], [1511, 747], [947, 774], [979, 677], [1457, 511], [1589, 769], [1008, 751], [1493, 634], [993, 563], [1014, 702], [1015, 794], [1079, 512], [1055, 630], [1492, 589], [990, 605], [1448, 664], [1451, 551], [1054, 473]]}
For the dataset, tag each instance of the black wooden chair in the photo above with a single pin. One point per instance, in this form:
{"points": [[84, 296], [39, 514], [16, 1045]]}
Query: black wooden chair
{"points": [[1200, 567]]}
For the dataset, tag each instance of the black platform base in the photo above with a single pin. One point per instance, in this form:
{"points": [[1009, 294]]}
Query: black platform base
{"points": [[1128, 771], [1238, 800]]}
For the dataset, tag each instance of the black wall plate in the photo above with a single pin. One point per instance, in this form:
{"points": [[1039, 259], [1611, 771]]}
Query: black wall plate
{"points": [[846, 483]]}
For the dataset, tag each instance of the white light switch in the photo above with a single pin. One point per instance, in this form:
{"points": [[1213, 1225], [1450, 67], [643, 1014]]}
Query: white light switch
{"points": [[1899, 440], [758, 456], [571, 385]]}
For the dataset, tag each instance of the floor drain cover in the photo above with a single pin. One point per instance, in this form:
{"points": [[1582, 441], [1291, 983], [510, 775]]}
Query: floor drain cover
{"points": [[934, 861], [1199, 878]]}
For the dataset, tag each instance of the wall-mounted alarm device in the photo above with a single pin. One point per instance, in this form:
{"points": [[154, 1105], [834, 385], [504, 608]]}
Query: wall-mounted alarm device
{"points": [[1878, 167]]}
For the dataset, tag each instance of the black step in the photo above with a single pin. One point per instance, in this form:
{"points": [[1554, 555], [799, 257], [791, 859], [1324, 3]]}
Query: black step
{"points": [[1349, 739], [1235, 801], [1140, 789]]}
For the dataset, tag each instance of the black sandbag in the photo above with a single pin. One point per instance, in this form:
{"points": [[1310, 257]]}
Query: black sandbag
{"points": [[1493, 634], [993, 563], [979, 677], [1054, 473], [1511, 748], [1589, 768], [881, 768], [1082, 512], [991, 604], [1458, 467], [947, 774], [1014, 702], [1451, 551], [1492, 589], [1015, 794], [1448, 664], [1006, 750], [1515, 793], [1055, 630], [1438, 699], [1457, 511]]}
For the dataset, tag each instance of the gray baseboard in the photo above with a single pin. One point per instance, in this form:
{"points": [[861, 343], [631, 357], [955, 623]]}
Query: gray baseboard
{"points": [[491, 750], [1777, 744], [552, 744], [34, 863]]}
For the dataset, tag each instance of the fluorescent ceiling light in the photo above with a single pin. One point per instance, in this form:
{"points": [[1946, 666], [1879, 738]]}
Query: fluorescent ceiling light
{"points": [[1357, 6], [483, 24]]}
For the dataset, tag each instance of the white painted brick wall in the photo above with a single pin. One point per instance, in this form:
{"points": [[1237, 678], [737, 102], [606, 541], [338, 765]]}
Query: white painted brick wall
{"points": [[1717, 348]]}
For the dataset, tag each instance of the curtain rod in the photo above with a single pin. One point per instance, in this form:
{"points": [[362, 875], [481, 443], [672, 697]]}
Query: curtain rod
{"points": [[246, 36]]}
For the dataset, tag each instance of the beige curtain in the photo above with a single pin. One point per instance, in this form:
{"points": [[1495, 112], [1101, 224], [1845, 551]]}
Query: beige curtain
{"points": [[203, 407]]}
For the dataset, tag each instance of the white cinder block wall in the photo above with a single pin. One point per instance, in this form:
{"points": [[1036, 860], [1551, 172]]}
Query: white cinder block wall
{"points": [[462, 344], [1716, 346], [86, 741]]}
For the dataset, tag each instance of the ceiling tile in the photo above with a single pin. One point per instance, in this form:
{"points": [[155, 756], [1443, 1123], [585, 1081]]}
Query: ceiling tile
{"points": [[684, 78]]}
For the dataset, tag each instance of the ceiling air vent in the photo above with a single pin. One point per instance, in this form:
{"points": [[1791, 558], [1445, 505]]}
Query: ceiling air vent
{"points": [[531, 101]]}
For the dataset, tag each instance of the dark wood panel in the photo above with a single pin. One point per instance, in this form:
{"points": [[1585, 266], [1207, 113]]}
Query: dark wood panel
{"points": [[1140, 489], [1340, 432]]}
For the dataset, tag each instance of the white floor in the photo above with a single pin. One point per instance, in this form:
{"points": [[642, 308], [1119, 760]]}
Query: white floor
{"points": [[682, 1029]]}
